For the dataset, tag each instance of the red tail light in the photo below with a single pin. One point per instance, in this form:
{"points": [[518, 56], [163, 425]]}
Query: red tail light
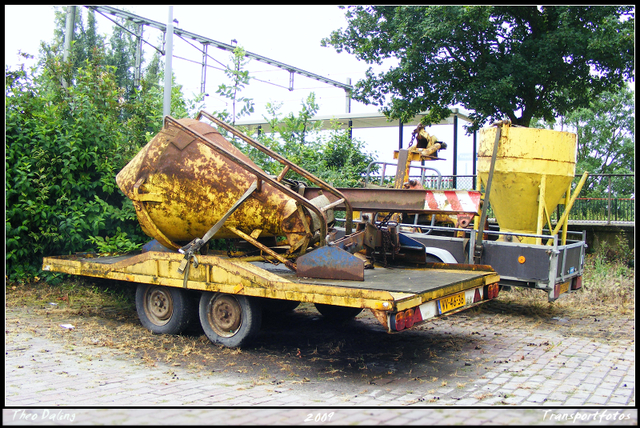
{"points": [[491, 291], [408, 318], [576, 283], [400, 321]]}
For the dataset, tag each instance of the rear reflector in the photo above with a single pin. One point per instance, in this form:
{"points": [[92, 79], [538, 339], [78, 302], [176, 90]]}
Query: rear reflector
{"points": [[417, 315], [476, 296]]}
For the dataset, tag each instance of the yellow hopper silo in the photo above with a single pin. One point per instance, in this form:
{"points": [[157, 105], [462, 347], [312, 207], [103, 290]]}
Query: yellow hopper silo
{"points": [[533, 169]]}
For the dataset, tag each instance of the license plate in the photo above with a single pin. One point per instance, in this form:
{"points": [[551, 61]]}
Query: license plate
{"points": [[449, 303], [564, 287]]}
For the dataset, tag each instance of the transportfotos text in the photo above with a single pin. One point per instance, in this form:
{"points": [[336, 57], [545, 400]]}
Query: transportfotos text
{"points": [[583, 416]]}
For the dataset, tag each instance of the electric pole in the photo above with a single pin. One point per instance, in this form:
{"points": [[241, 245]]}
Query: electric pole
{"points": [[68, 36], [168, 58]]}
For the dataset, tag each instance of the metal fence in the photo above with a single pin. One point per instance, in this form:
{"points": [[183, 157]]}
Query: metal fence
{"points": [[609, 207], [603, 209]]}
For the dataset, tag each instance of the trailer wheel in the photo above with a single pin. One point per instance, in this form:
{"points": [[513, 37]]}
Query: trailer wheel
{"points": [[228, 319], [337, 313], [164, 310]]}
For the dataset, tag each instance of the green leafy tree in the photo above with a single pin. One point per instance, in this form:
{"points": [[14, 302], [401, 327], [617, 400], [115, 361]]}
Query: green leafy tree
{"points": [[119, 51], [144, 111], [606, 133], [122, 56], [606, 141], [239, 79], [497, 61], [85, 40]]}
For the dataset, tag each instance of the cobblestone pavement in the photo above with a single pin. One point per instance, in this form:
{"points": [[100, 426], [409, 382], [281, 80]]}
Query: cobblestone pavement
{"points": [[534, 376], [321, 416]]}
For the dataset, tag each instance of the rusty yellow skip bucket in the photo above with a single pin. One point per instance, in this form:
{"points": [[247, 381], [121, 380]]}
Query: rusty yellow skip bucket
{"points": [[534, 168], [181, 187]]}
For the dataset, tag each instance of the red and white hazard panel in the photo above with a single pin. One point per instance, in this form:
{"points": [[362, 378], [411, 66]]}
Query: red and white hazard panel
{"points": [[452, 201]]}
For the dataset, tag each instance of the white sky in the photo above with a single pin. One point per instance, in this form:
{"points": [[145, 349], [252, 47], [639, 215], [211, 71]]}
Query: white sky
{"points": [[287, 33]]}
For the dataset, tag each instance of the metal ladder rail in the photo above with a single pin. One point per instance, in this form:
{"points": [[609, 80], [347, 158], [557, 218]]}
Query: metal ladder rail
{"points": [[288, 166]]}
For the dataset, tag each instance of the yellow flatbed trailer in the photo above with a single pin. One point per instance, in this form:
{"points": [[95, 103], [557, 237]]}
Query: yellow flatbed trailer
{"points": [[233, 291], [189, 185]]}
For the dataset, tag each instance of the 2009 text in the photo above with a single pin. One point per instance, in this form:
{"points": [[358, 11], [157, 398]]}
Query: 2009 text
{"points": [[319, 417]]}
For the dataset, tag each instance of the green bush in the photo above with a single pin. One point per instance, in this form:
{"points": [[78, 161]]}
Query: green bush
{"points": [[64, 147]]}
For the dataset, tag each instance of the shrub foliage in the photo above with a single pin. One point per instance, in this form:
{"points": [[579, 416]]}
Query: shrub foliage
{"points": [[64, 147]]}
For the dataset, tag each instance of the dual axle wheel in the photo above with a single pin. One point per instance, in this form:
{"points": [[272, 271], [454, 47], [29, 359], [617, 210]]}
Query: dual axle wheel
{"points": [[227, 319]]}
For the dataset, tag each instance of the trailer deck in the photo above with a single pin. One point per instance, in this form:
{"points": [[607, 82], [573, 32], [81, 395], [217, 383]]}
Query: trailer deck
{"points": [[390, 290]]}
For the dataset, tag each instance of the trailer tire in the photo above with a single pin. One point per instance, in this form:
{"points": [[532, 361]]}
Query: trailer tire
{"points": [[164, 310], [337, 313], [228, 319]]}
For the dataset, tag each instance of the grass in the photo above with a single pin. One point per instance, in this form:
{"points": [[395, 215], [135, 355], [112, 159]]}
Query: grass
{"points": [[77, 296]]}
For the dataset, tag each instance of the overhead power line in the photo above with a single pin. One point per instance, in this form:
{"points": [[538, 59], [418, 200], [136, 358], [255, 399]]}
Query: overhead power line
{"points": [[205, 41]]}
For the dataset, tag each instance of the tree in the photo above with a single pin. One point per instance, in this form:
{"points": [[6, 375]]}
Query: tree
{"points": [[122, 55], [334, 157], [85, 41], [606, 141], [497, 61], [120, 51], [239, 78], [64, 147]]}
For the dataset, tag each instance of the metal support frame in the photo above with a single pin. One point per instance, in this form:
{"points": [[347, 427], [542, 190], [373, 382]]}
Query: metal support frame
{"points": [[367, 176], [477, 249], [138, 70], [168, 63], [455, 149], [474, 160], [203, 75], [68, 37]]}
